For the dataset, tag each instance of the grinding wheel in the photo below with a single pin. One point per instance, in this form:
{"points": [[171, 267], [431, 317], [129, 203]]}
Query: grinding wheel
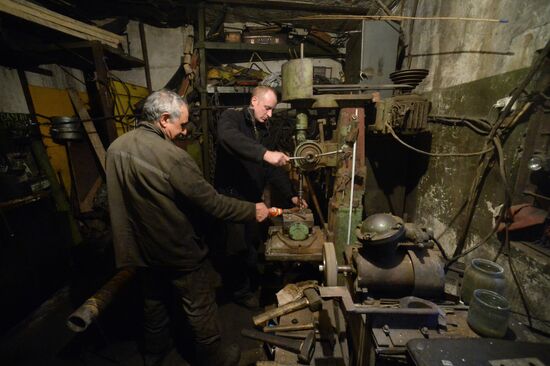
{"points": [[330, 264]]}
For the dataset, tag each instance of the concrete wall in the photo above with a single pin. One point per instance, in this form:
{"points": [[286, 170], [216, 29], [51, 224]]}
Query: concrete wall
{"points": [[458, 52], [165, 50], [12, 99], [472, 65]]}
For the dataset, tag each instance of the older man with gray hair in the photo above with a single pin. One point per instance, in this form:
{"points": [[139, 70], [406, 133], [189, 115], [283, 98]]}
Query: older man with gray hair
{"points": [[157, 199]]}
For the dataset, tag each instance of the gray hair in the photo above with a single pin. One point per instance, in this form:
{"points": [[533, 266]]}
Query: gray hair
{"points": [[159, 102]]}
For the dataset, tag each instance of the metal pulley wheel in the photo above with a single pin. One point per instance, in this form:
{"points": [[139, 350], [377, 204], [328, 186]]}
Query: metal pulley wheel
{"points": [[308, 151], [65, 129], [330, 265]]}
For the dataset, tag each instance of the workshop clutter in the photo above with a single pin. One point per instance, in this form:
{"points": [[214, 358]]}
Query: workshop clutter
{"points": [[292, 297], [236, 75]]}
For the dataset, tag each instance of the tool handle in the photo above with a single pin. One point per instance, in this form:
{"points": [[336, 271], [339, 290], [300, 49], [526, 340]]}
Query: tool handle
{"points": [[281, 310], [289, 328], [275, 211]]}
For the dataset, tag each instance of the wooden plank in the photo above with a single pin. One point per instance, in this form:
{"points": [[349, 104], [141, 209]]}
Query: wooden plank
{"points": [[87, 204], [47, 18], [107, 126], [60, 20], [64, 18], [85, 173], [283, 49], [89, 127], [314, 6]]}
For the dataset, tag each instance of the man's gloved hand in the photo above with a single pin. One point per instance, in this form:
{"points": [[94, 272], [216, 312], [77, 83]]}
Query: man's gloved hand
{"points": [[261, 211], [297, 203], [275, 158]]}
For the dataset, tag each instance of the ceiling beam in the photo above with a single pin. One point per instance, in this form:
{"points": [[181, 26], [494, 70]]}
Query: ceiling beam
{"points": [[312, 6], [50, 19]]}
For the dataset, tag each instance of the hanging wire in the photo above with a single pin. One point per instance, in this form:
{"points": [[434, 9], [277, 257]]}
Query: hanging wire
{"points": [[392, 132]]}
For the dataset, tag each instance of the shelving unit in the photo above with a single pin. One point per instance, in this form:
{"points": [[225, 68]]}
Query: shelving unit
{"points": [[241, 52], [218, 53], [210, 89]]}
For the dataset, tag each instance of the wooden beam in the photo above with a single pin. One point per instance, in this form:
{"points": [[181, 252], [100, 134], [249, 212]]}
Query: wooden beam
{"points": [[89, 127], [206, 163], [87, 204], [312, 6], [47, 18], [45, 166], [105, 99], [145, 55]]}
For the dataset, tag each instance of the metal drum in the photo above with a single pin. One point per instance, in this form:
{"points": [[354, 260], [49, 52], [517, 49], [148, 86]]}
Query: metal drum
{"points": [[297, 78]]}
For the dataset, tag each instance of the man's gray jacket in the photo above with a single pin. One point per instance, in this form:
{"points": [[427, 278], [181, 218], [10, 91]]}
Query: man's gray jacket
{"points": [[158, 200]]}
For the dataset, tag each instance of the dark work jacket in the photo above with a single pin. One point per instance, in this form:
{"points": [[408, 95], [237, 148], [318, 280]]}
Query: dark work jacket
{"points": [[157, 201], [240, 169]]}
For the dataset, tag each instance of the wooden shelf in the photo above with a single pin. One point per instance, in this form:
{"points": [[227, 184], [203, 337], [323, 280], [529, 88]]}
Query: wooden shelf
{"points": [[229, 89], [222, 52], [79, 55]]}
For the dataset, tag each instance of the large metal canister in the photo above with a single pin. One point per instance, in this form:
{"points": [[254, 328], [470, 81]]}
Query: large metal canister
{"points": [[297, 79]]}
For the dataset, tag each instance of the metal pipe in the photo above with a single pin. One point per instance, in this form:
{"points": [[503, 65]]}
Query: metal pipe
{"points": [[82, 317], [301, 127], [351, 191]]}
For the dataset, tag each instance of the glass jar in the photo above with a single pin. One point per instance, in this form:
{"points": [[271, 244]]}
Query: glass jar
{"points": [[489, 313], [482, 273]]}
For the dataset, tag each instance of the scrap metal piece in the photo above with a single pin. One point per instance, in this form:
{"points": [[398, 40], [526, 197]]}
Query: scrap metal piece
{"points": [[407, 113], [309, 299], [293, 291], [412, 77], [304, 349]]}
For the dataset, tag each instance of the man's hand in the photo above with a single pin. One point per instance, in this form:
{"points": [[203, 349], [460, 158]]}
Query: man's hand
{"points": [[275, 158], [297, 203], [261, 211]]}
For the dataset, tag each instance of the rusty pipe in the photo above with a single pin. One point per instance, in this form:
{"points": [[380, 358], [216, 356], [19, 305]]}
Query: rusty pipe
{"points": [[82, 317]]}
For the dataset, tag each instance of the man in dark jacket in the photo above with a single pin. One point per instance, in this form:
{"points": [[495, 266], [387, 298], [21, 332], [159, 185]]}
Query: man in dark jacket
{"points": [[156, 197], [245, 164]]}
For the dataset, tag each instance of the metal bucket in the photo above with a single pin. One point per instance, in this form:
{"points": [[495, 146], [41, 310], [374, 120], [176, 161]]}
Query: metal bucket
{"points": [[65, 129]]}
